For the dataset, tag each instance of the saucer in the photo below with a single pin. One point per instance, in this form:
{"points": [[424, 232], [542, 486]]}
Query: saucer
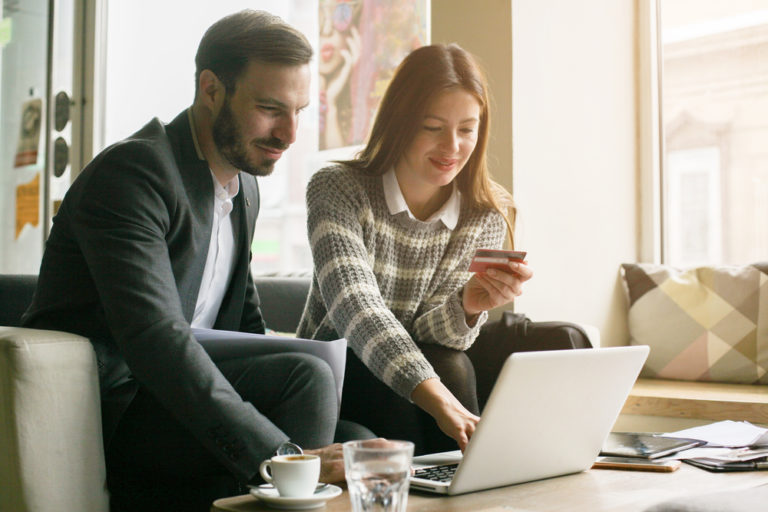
{"points": [[271, 497]]}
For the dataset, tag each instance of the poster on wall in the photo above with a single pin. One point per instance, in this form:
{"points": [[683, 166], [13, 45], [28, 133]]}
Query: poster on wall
{"points": [[361, 42], [29, 133]]}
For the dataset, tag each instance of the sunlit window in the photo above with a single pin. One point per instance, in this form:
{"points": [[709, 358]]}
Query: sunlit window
{"points": [[714, 105], [150, 73]]}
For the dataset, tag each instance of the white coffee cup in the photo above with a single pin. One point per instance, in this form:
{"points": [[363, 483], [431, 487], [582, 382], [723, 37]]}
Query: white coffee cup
{"points": [[294, 476]]}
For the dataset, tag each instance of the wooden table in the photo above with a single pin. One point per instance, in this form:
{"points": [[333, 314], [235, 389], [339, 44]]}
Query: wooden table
{"points": [[596, 490]]}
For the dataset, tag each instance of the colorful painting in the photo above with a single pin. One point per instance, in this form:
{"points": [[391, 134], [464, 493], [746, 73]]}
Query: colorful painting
{"points": [[361, 43]]}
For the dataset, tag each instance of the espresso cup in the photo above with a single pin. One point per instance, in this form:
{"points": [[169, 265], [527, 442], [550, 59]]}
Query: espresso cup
{"points": [[294, 476]]}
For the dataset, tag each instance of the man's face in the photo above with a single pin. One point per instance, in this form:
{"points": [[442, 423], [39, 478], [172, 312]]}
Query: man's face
{"points": [[258, 121]]}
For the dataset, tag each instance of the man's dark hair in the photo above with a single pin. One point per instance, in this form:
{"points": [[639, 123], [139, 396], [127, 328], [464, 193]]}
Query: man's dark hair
{"points": [[232, 42]]}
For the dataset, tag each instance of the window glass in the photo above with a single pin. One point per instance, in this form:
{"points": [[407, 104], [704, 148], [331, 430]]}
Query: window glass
{"points": [[714, 104], [150, 73], [23, 107]]}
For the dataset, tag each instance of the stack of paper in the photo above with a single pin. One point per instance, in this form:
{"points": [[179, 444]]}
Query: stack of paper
{"points": [[731, 446]]}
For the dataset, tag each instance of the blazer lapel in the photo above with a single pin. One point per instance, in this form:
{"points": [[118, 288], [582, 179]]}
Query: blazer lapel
{"points": [[198, 188]]}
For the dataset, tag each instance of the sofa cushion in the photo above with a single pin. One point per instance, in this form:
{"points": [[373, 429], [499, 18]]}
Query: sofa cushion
{"points": [[17, 291], [707, 323], [282, 300]]}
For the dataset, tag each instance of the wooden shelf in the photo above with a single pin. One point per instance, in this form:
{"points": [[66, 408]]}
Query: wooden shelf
{"points": [[698, 400]]}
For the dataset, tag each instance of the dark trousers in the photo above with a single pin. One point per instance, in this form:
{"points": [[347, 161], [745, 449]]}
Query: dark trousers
{"points": [[154, 463], [515, 332], [368, 401], [469, 375]]}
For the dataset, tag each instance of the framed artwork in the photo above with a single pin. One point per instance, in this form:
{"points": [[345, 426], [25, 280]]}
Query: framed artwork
{"points": [[361, 42]]}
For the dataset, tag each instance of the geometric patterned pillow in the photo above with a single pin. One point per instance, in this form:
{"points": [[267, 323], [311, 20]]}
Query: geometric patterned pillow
{"points": [[707, 323]]}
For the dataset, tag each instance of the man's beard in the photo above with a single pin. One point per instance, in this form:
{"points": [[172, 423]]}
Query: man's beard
{"points": [[231, 146]]}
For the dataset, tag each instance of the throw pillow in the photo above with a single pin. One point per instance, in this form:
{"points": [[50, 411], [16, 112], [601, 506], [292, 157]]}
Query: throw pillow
{"points": [[706, 323]]}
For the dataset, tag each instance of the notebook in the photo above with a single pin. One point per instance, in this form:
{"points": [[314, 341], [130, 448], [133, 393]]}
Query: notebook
{"points": [[548, 415]]}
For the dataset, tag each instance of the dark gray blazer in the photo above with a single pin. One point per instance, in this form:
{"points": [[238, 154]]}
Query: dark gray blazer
{"points": [[123, 265]]}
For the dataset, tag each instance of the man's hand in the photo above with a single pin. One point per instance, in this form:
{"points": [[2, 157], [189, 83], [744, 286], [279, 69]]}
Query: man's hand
{"points": [[331, 463]]}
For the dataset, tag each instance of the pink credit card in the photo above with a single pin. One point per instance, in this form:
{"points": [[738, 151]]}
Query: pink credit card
{"points": [[494, 258]]}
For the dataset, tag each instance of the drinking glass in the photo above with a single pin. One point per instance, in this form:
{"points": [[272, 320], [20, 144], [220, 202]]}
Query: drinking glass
{"points": [[378, 472]]}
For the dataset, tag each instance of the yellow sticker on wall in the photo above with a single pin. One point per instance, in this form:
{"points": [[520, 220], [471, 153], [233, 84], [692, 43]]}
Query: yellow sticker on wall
{"points": [[27, 204]]}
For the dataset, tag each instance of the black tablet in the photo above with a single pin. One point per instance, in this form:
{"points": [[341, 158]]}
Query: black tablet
{"points": [[647, 446]]}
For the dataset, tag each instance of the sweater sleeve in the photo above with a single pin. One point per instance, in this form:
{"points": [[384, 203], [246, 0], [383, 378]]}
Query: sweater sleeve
{"points": [[338, 220], [443, 321]]}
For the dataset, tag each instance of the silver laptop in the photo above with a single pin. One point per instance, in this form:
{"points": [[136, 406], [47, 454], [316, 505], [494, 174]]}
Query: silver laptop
{"points": [[548, 415]]}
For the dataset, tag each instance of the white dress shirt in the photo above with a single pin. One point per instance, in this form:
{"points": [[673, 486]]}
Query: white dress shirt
{"points": [[448, 214], [221, 256]]}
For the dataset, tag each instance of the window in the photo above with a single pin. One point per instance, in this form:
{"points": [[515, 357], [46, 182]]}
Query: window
{"points": [[152, 75], [713, 99], [149, 71], [694, 217]]}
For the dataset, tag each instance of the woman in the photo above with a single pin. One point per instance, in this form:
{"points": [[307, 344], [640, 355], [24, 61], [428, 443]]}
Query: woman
{"points": [[392, 234]]}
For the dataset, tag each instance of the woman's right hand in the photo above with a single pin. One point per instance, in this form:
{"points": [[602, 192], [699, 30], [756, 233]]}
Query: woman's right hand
{"points": [[453, 418], [494, 288]]}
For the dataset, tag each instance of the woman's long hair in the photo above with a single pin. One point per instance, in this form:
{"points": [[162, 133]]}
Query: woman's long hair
{"points": [[423, 74]]}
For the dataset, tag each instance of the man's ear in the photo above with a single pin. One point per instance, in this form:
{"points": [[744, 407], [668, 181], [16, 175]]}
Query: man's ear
{"points": [[211, 90]]}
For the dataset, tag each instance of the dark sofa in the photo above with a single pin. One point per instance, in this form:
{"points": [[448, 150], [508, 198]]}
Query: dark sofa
{"points": [[282, 302]]}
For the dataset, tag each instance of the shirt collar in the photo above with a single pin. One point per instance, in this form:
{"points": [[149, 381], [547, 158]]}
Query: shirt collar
{"points": [[225, 192], [448, 214]]}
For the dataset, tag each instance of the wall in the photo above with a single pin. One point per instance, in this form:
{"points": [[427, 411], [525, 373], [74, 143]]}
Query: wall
{"points": [[575, 162], [572, 128], [486, 31]]}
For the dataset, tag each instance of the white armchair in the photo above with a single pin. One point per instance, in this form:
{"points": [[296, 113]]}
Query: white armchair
{"points": [[52, 456]]}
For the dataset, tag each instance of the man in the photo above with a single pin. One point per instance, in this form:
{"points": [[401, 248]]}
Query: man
{"points": [[152, 239]]}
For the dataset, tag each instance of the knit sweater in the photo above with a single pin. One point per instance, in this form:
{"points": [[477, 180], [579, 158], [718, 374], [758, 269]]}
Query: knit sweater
{"points": [[386, 281]]}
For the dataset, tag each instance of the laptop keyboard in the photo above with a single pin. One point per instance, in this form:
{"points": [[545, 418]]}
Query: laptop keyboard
{"points": [[442, 473]]}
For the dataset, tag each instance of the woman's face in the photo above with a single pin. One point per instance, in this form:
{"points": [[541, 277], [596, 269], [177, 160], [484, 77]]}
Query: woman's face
{"points": [[444, 141], [336, 16]]}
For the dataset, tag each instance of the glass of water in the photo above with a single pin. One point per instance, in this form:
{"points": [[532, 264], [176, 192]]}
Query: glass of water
{"points": [[378, 472]]}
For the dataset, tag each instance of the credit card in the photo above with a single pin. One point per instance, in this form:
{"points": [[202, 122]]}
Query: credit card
{"points": [[494, 258]]}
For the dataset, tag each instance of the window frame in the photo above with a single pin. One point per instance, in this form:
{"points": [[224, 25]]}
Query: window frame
{"points": [[650, 134]]}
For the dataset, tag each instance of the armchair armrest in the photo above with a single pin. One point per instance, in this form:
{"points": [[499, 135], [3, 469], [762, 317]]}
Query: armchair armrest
{"points": [[50, 423], [593, 333]]}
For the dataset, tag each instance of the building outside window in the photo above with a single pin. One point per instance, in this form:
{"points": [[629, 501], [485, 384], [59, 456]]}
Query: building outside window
{"points": [[714, 119]]}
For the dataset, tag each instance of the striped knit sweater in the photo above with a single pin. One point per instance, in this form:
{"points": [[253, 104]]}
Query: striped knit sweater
{"points": [[383, 281]]}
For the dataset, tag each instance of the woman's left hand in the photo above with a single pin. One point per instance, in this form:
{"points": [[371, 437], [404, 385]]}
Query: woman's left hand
{"points": [[494, 288]]}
